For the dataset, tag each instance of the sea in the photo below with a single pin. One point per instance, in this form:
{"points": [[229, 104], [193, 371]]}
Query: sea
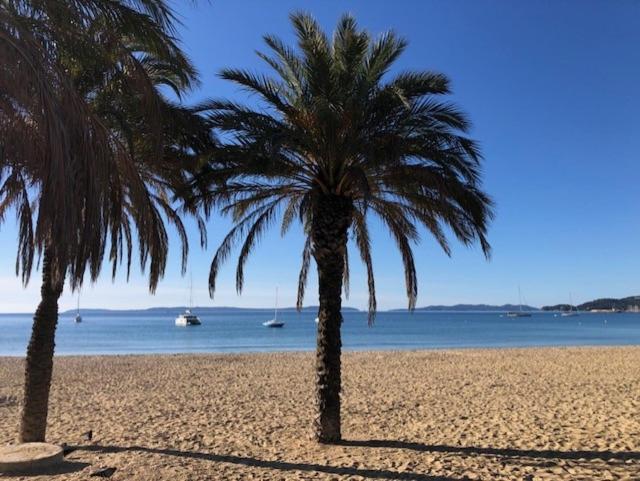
{"points": [[242, 331]]}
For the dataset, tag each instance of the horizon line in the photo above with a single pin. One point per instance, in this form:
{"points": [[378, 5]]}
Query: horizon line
{"points": [[269, 308]]}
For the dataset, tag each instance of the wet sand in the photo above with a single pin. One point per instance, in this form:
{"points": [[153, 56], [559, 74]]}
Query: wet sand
{"points": [[504, 414]]}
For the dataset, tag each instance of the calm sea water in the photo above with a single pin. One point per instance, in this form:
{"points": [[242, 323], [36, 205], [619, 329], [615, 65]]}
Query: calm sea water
{"points": [[242, 331]]}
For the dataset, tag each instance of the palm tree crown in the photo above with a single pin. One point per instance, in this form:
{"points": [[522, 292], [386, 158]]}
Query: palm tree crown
{"points": [[90, 147], [334, 122]]}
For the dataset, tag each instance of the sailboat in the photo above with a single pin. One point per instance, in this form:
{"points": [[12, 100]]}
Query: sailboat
{"points": [[274, 322], [519, 312], [570, 312], [78, 317], [187, 318]]}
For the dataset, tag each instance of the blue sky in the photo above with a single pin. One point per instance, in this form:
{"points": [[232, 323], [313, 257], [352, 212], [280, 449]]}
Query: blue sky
{"points": [[552, 90]]}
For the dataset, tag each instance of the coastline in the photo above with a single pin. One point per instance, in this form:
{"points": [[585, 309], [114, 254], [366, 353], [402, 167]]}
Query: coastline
{"points": [[491, 413]]}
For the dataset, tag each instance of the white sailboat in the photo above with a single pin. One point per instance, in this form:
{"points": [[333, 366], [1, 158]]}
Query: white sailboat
{"points": [[187, 318], [570, 312], [274, 322], [519, 312], [78, 317]]}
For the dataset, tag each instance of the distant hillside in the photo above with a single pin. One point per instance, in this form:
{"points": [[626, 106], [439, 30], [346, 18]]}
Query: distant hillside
{"points": [[178, 309], [558, 307], [631, 303], [474, 307]]}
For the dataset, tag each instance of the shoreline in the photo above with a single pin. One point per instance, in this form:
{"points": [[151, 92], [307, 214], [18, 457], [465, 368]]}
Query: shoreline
{"points": [[344, 351], [557, 413]]}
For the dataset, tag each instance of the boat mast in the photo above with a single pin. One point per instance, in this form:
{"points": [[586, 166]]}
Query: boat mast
{"points": [[571, 303], [191, 293], [519, 298], [275, 317]]}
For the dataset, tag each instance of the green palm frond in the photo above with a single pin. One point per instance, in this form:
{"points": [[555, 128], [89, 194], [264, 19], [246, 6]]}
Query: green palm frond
{"points": [[363, 242]]}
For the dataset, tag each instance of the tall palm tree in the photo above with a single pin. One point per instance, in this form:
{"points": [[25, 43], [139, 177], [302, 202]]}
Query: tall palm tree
{"points": [[336, 137], [90, 150]]}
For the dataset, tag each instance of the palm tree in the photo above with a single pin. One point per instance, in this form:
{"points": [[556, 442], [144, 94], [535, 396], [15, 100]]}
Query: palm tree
{"points": [[335, 137], [90, 150]]}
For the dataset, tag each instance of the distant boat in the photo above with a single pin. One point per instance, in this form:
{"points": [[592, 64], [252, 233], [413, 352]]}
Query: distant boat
{"points": [[274, 322], [519, 312], [316, 320], [187, 318], [570, 312], [78, 317]]}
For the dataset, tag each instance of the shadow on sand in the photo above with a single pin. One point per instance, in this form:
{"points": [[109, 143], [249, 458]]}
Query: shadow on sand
{"points": [[498, 452], [548, 455], [279, 465]]}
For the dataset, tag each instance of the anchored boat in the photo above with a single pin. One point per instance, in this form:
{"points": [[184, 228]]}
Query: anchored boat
{"points": [[570, 312], [187, 318], [78, 317], [274, 322], [519, 312]]}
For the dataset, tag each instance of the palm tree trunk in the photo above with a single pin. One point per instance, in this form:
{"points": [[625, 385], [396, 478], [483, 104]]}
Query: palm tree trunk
{"points": [[331, 221], [39, 362]]}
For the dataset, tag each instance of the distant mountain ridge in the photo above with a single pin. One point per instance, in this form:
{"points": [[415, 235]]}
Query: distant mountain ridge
{"points": [[473, 307], [631, 303], [212, 310], [179, 309]]}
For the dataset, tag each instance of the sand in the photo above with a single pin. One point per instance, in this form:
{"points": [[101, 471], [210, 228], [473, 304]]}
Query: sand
{"points": [[520, 414]]}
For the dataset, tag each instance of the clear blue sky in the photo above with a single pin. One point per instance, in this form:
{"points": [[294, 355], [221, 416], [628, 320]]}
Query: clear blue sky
{"points": [[552, 89]]}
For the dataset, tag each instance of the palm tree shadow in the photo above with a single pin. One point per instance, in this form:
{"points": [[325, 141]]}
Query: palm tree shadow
{"points": [[607, 456], [277, 465]]}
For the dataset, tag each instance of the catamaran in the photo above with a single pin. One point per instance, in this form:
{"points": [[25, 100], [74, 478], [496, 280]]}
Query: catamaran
{"points": [[519, 312], [274, 322], [187, 318]]}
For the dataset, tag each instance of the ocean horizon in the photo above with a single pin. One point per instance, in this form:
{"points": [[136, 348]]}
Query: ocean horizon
{"points": [[240, 330]]}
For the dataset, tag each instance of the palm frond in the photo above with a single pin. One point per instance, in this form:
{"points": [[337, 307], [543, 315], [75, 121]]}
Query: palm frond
{"points": [[345, 274], [304, 272], [363, 242], [261, 223]]}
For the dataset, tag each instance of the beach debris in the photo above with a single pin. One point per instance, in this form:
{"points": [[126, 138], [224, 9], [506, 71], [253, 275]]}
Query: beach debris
{"points": [[8, 401], [88, 436], [103, 472], [66, 449]]}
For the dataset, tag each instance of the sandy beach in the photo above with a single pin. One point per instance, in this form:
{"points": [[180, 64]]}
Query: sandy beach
{"points": [[518, 414]]}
